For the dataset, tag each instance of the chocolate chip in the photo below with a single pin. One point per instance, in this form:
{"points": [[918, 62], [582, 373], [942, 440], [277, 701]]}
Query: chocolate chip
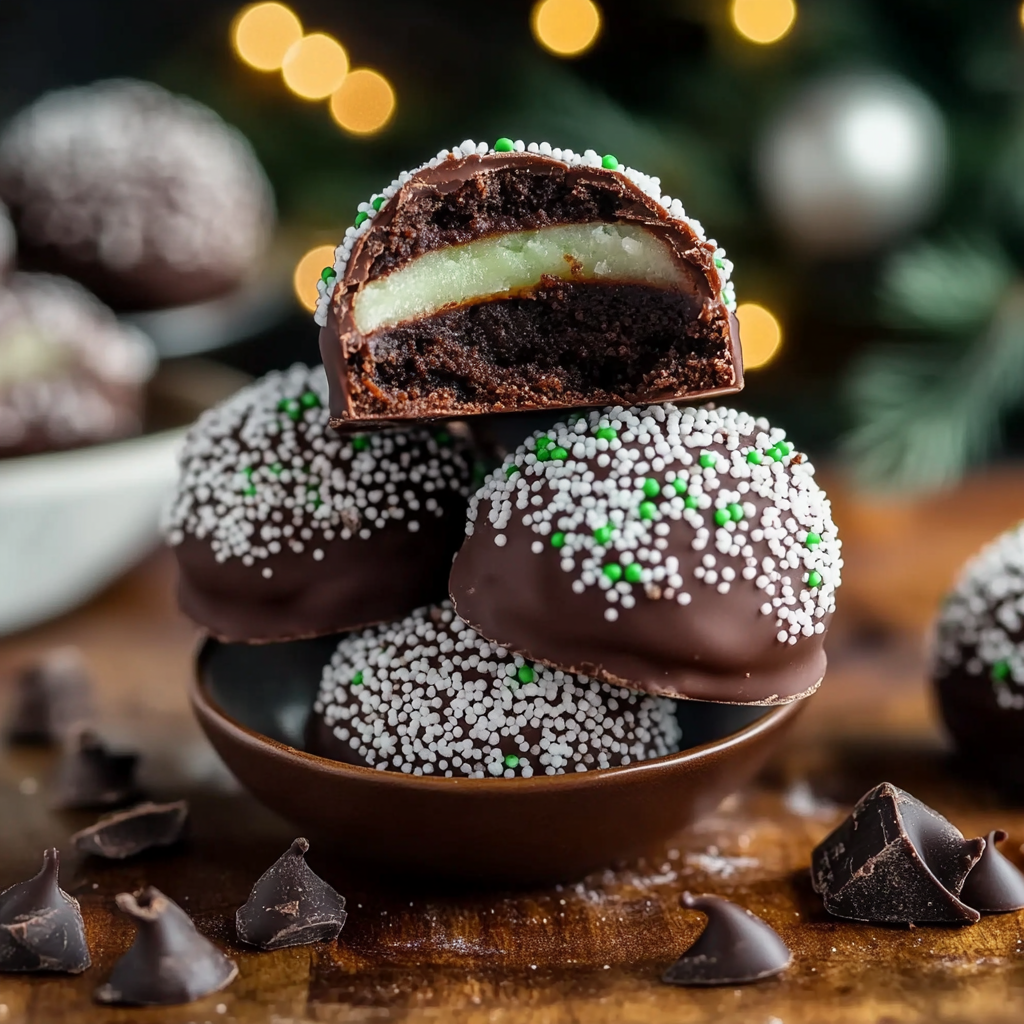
{"points": [[169, 961], [995, 885], [89, 775], [51, 697], [41, 927], [290, 905], [127, 833], [895, 860], [735, 947]]}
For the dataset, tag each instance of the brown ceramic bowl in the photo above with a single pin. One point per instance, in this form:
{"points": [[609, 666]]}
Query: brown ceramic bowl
{"points": [[252, 703]]}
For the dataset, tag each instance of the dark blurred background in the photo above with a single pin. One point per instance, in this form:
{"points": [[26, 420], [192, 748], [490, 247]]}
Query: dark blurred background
{"points": [[862, 161]]}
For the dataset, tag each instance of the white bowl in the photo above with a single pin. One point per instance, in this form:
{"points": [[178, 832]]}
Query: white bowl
{"points": [[71, 522]]}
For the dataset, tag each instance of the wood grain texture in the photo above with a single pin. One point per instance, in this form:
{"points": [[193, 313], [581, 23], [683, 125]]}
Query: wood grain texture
{"points": [[588, 952]]}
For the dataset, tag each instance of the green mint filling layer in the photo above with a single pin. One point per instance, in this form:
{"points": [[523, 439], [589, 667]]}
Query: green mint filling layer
{"points": [[505, 264]]}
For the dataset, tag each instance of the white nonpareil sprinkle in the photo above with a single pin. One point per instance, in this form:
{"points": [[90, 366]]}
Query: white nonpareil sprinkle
{"points": [[429, 696], [605, 491], [130, 173], [650, 186], [262, 472], [981, 624]]}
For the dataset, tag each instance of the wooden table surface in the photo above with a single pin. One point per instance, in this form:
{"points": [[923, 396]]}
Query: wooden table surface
{"points": [[586, 952]]}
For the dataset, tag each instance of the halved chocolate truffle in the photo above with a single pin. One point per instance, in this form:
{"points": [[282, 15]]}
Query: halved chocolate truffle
{"points": [[683, 552], [978, 661], [428, 696], [283, 529], [523, 277]]}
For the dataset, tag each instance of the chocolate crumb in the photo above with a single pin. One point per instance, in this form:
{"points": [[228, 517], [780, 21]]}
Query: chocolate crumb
{"points": [[127, 833]]}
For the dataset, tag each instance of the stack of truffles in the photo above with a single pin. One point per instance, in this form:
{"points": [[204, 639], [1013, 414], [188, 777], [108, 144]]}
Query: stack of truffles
{"points": [[554, 614]]}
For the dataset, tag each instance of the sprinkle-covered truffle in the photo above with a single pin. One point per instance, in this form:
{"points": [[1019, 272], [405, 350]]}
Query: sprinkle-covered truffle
{"points": [[283, 528], [428, 696], [636, 525], [150, 199], [70, 373]]}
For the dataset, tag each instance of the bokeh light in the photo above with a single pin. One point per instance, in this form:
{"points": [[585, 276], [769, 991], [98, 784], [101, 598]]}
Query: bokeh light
{"points": [[364, 102], [760, 335], [262, 34], [763, 21], [307, 273], [567, 28], [314, 66]]}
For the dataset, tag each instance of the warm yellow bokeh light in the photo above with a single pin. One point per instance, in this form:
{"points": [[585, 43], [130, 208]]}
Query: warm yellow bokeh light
{"points": [[760, 335], [763, 21], [364, 102], [262, 34], [1022, 15], [566, 27], [307, 273], [314, 66]]}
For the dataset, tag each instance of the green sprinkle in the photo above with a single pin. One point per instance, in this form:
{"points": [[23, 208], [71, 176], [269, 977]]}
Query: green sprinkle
{"points": [[277, 469], [613, 571], [691, 501], [609, 163], [357, 679], [558, 539], [784, 446], [326, 274], [479, 473], [360, 443], [542, 443], [504, 146], [755, 458], [443, 437], [735, 511], [606, 434], [651, 487], [722, 516], [250, 490], [707, 460], [603, 534], [1000, 671], [633, 572], [248, 471], [511, 469], [543, 454], [511, 761], [559, 453], [310, 400], [812, 539], [647, 510], [774, 454], [680, 486], [291, 407], [526, 674], [814, 579], [378, 202], [719, 262], [362, 217]]}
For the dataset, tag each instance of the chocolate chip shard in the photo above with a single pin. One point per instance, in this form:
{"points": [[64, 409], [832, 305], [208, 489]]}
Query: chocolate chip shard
{"points": [[735, 947], [290, 905], [41, 926], [126, 833], [52, 697], [89, 775], [995, 884], [169, 962], [894, 860]]}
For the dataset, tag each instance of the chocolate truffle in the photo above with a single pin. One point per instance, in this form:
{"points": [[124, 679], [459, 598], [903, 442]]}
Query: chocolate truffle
{"points": [[683, 552], [89, 775], [428, 696], [523, 277], [283, 529], [978, 661], [70, 373], [147, 198], [995, 884], [41, 926], [53, 697]]}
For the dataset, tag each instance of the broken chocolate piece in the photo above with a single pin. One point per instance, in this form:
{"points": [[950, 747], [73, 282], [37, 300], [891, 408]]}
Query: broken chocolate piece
{"points": [[51, 698], [169, 961], [895, 860], [126, 833], [735, 947], [290, 905], [995, 885], [41, 926], [90, 775]]}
